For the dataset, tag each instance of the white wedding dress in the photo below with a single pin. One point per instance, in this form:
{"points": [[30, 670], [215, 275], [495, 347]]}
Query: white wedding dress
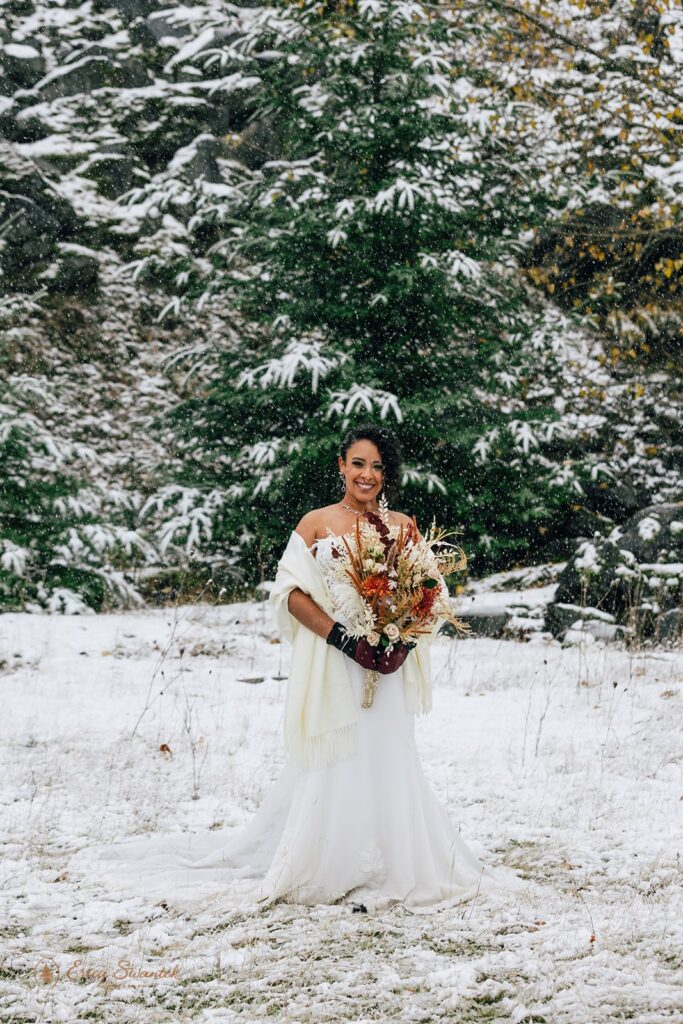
{"points": [[367, 829]]}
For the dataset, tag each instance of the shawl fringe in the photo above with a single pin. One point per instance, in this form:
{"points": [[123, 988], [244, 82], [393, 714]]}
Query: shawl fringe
{"points": [[323, 750]]}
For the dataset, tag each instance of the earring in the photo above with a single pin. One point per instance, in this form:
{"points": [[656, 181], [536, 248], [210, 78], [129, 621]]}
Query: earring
{"points": [[342, 481]]}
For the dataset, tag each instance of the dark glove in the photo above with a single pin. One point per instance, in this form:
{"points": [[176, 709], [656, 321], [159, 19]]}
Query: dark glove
{"points": [[392, 660], [359, 650]]}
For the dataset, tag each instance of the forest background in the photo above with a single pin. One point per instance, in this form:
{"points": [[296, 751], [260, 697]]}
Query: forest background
{"points": [[228, 233]]}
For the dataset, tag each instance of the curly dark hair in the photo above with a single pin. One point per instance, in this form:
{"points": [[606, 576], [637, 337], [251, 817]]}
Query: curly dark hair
{"points": [[389, 448]]}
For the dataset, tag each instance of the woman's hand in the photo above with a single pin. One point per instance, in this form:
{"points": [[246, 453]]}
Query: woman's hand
{"points": [[392, 660], [359, 650]]}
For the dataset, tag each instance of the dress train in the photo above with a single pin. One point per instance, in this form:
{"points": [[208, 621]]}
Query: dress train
{"points": [[368, 828]]}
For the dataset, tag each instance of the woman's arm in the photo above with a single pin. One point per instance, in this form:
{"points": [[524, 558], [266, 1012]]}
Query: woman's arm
{"points": [[309, 613]]}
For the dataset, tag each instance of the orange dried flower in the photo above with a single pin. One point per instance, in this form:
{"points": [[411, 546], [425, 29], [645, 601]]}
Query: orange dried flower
{"points": [[375, 586]]}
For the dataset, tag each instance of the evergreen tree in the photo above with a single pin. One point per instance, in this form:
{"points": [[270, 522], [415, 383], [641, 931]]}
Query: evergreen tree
{"points": [[51, 543], [373, 267]]}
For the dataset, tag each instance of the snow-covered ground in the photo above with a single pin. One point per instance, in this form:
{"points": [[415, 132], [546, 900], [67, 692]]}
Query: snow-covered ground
{"points": [[564, 763]]}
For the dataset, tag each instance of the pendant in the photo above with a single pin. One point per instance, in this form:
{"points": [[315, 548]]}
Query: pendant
{"points": [[371, 679]]}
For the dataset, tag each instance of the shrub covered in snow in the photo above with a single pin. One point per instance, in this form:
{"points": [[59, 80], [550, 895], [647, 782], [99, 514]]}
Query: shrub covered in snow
{"points": [[632, 577]]}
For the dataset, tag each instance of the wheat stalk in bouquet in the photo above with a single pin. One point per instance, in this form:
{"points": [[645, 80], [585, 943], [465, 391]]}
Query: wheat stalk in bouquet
{"points": [[394, 581]]}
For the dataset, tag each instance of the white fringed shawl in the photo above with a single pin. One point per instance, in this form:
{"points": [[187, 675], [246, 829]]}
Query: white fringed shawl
{"points": [[321, 714]]}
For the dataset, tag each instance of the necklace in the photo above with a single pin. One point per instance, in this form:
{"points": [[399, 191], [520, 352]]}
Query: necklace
{"points": [[359, 512]]}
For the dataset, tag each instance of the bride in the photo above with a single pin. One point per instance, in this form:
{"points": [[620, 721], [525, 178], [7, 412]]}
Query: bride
{"points": [[352, 817]]}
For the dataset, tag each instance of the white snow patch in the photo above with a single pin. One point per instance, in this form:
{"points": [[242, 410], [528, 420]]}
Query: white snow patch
{"points": [[649, 527], [20, 51], [561, 762]]}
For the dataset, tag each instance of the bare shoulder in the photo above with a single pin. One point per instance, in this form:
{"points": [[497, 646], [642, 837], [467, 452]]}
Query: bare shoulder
{"points": [[400, 518], [307, 525], [314, 523]]}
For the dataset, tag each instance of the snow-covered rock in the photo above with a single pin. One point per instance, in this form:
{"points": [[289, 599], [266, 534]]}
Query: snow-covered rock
{"points": [[632, 578]]}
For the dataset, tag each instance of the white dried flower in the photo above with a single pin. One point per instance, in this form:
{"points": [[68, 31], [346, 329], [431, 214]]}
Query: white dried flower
{"points": [[372, 639], [370, 565], [392, 631]]}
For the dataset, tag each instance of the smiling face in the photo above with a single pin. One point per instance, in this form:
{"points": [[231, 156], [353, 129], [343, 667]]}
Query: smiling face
{"points": [[363, 471]]}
